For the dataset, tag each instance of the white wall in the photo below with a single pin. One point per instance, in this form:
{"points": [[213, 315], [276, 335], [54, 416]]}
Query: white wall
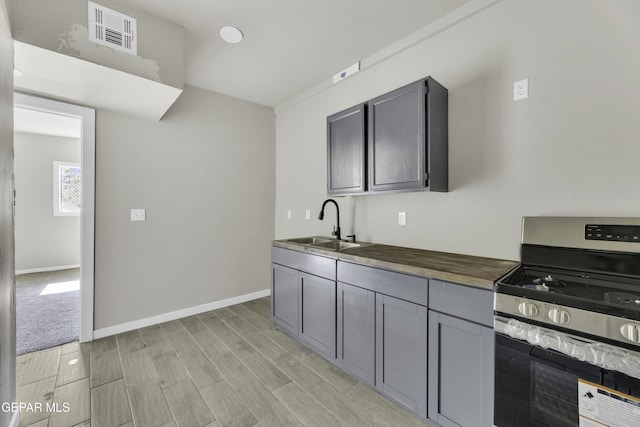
{"points": [[570, 149], [42, 239], [205, 175]]}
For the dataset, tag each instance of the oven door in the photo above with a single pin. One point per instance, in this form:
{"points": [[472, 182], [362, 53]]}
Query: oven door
{"points": [[536, 386]]}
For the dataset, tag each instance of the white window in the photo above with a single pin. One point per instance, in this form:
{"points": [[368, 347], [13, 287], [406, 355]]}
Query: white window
{"points": [[66, 188]]}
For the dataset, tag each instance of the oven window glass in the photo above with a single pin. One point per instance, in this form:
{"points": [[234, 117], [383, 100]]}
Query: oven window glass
{"points": [[536, 387], [554, 395]]}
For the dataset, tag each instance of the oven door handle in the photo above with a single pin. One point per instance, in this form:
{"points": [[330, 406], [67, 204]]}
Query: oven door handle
{"points": [[596, 353]]}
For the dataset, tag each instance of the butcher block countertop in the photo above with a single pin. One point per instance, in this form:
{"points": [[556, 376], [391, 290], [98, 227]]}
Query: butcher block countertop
{"points": [[469, 270]]}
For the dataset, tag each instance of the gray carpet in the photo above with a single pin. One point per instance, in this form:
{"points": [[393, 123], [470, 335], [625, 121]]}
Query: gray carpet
{"points": [[47, 312]]}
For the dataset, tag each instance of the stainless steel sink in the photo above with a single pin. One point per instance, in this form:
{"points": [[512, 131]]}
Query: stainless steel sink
{"points": [[310, 240], [326, 243], [336, 245], [340, 245]]}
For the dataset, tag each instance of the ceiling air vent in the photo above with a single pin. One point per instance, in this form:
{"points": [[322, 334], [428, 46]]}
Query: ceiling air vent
{"points": [[113, 29]]}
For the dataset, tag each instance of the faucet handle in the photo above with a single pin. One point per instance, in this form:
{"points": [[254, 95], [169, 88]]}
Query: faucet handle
{"points": [[353, 237]]}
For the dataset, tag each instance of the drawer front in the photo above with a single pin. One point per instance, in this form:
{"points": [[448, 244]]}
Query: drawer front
{"points": [[462, 301], [308, 263], [403, 286]]}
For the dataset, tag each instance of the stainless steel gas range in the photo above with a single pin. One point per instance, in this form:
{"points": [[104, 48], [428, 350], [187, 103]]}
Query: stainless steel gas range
{"points": [[567, 325]]}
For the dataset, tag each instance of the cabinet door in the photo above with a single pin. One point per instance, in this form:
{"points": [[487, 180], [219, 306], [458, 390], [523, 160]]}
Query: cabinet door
{"points": [[318, 314], [356, 332], [346, 155], [460, 372], [284, 297], [401, 352], [396, 139]]}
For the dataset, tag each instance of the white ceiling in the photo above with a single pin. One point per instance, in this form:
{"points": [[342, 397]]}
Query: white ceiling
{"points": [[289, 45], [43, 123]]}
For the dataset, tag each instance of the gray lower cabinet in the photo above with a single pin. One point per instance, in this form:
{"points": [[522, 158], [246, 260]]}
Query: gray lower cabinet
{"points": [[318, 314], [284, 297], [401, 352], [392, 355], [424, 343], [461, 355], [356, 332], [460, 372], [303, 298]]}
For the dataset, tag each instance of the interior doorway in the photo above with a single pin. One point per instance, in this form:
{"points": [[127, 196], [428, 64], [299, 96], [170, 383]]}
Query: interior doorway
{"points": [[62, 268]]}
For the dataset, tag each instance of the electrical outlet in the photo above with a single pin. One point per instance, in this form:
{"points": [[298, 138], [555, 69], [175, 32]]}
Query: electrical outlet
{"points": [[521, 90], [307, 214], [402, 218], [289, 214]]}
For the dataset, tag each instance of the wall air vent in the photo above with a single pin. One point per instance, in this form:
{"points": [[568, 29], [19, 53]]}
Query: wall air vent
{"points": [[113, 29]]}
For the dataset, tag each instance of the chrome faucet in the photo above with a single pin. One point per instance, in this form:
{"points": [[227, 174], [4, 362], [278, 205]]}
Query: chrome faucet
{"points": [[336, 229]]}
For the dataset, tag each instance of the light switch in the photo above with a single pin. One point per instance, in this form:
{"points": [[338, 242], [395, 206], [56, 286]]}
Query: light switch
{"points": [[138, 215], [289, 214], [402, 218], [307, 214]]}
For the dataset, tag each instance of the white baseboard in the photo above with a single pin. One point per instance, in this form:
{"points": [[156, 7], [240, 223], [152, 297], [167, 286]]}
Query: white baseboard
{"points": [[15, 420], [43, 269], [178, 314]]}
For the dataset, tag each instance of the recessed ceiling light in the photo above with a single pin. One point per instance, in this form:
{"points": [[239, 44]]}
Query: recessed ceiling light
{"points": [[17, 73], [231, 34]]}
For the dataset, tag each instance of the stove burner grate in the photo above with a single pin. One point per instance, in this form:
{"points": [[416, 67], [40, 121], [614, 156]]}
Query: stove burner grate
{"points": [[550, 282], [622, 298], [544, 288]]}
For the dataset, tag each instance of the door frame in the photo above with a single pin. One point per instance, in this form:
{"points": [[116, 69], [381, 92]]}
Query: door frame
{"points": [[87, 216]]}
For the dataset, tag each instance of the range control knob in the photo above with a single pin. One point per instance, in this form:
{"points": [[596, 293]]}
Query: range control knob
{"points": [[528, 309], [559, 316], [631, 332]]}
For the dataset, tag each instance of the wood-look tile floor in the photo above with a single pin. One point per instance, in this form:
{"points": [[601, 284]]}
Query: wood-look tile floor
{"points": [[228, 367]]}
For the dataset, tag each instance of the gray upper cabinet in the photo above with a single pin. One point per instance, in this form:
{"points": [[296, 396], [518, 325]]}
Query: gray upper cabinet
{"points": [[346, 153], [407, 139]]}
